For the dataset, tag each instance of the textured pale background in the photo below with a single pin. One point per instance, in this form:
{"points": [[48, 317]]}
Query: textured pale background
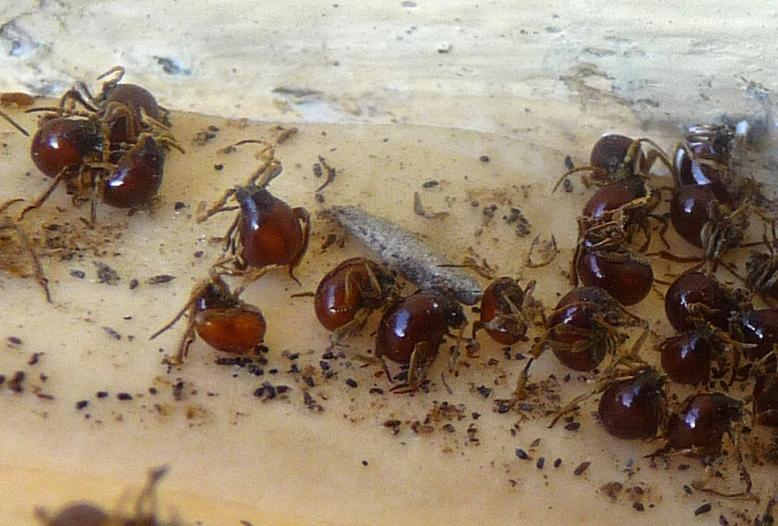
{"points": [[539, 80]]}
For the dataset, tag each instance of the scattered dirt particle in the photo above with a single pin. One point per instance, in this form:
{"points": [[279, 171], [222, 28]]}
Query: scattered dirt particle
{"points": [[105, 274], [705, 508], [581, 468]]}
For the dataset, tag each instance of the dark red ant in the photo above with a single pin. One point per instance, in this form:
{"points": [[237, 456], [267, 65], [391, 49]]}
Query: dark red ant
{"points": [[603, 259], [696, 297], [143, 513], [267, 233], [698, 429], [632, 198], [141, 102], [220, 318], [709, 208], [758, 329], [349, 293], [632, 405], [413, 328], [687, 357], [506, 310], [615, 157], [581, 332]]}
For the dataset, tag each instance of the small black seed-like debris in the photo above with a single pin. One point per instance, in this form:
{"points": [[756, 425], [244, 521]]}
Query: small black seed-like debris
{"points": [[124, 396], [638, 506], [161, 278], [103, 394], [35, 358], [105, 274], [484, 391], [267, 391], [273, 371], [80, 274], [134, 284], [310, 402], [394, 425], [283, 389], [569, 163], [112, 333], [687, 489], [557, 462], [325, 366], [82, 404], [522, 455], [309, 381], [294, 368], [179, 205], [218, 167], [723, 521], [540, 463], [152, 390], [364, 462], [2, 379], [484, 158], [581, 468], [449, 428], [476, 415], [567, 186], [376, 391], [15, 383], [705, 508], [178, 390], [351, 382], [14, 340], [572, 426], [317, 170], [430, 184]]}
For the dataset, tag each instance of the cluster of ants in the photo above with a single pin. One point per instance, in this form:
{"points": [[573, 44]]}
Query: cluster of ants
{"points": [[710, 207], [111, 148]]}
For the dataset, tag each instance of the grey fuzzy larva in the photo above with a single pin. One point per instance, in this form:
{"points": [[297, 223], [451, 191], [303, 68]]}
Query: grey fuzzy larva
{"points": [[405, 252]]}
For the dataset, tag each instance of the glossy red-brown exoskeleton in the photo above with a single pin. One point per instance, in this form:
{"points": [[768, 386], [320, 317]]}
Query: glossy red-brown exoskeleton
{"points": [[632, 405], [633, 408], [758, 328], [701, 422], [707, 210], [220, 319], [604, 259], [615, 157], [505, 311], [267, 233], [695, 297], [347, 295], [412, 329], [687, 357], [583, 329]]}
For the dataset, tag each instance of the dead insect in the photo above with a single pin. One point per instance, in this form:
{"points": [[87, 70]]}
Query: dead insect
{"points": [[220, 318], [267, 233], [403, 251]]}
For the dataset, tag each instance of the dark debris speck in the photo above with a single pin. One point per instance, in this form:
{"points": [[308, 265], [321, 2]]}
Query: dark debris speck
{"points": [[124, 396], [705, 508]]}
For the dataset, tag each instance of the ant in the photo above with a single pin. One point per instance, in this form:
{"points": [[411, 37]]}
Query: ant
{"points": [[266, 233], [616, 157], [220, 318]]}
